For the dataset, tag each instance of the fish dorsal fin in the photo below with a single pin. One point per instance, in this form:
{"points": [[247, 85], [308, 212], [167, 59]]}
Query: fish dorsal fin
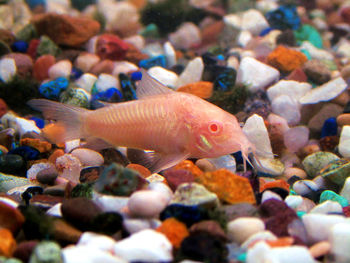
{"points": [[149, 86], [154, 161]]}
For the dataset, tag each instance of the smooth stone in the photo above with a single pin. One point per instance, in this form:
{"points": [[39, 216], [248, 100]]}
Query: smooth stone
{"points": [[293, 201], [88, 254], [239, 210], [296, 138], [262, 252], [80, 211], [104, 66], [8, 69], [261, 235], [88, 157], [269, 195], [24, 63], [291, 88], [166, 77], [62, 68], [256, 132], [170, 54], [294, 171], [327, 207], [192, 73], [318, 226], [106, 81], [10, 217], [317, 71], [147, 203], [161, 187], [262, 77], [24, 250], [38, 167], [336, 171], [288, 108], [86, 61], [328, 110], [46, 251], [55, 210], [86, 82], [253, 21], [316, 53], [343, 119], [186, 36], [339, 239], [320, 249], [109, 203], [345, 191], [194, 194], [211, 164], [325, 92], [210, 226], [332, 196], [64, 232], [101, 242], [305, 187], [124, 67], [272, 167], [138, 248], [8, 182], [239, 230], [344, 141], [314, 162]]}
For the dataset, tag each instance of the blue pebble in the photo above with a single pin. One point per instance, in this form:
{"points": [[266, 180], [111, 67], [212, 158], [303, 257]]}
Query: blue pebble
{"points": [[226, 80], [220, 57], [152, 62], [34, 3], [40, 123], [136, 76], [53, 89], [284, 17], [20, 46], [26, 152], [128, 87], [110, 95], [76, 73], [184, 213], [265, 31], [329, 127]]}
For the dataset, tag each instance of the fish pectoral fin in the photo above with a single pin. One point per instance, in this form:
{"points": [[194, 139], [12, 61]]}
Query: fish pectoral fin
{"points": [[154, 161], [96, 144], [149, 86]]}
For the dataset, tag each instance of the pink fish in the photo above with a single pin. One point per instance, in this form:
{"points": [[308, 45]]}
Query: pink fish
{"points": [[172, 126]]}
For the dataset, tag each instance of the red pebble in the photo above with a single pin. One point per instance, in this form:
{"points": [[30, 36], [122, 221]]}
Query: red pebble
{"points": [[111, 47], [346, 211], [3, 107], [297, 75], [41, 67], [33, 45], [345, 14]]}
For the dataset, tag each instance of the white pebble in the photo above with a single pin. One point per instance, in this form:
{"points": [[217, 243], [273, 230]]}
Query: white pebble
{"points": [[88, 254], [101, 242], [318, 226], [344, 141], [164, 76], [55, 210], [88, 157], [137, 40], [109, 203], [288, 108], [240, 229], [147, 203], [107, 81], [186, 36], [293, 201], [124, 67], [8, 69], [263, 235], [270, 195], [244, 38], [62, 68], [304, 187], [161, 188], [262, 77], [296, 138], [21, 125], [327, 207], [340, 242], [86, 81], [169, 54], [192, 73], [85, 61], [254, 21], [345, 191], [147, 245], [134, 225], [37, 167], [290, 88]]}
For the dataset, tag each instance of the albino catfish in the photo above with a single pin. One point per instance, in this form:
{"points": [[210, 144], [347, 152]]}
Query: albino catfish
{"points": [[171, 126]]}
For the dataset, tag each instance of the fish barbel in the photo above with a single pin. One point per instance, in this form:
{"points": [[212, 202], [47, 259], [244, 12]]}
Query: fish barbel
{"points": [[171, 125]]}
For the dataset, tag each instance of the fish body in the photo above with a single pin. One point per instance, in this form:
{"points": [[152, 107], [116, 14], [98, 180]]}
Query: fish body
{"points": [[173, 125]]}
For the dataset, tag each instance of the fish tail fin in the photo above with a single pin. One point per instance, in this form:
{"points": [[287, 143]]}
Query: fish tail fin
{"points": [[69, 119]]}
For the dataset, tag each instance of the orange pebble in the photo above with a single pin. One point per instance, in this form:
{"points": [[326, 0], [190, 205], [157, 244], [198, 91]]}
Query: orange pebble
{"points": [[281, 242], [286, 59], [202, 89], [143, 171], [57, 153], [7, 243], [277, 183], [229, 187], [190, 166], [174, 230], [41, 146]]}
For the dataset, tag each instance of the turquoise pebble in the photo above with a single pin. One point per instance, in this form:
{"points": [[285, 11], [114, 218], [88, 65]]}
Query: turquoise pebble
{"points": [[151, 30], [242, 257], [308, 33], [332, 196], [306, 53], [52, 89], [300, 213]]}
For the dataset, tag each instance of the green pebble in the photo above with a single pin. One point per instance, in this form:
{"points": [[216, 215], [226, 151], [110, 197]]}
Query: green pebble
{"points": [[75, 97], [27, 33], [308, 33], [150, 31], [9, 260], [330, 64], [46, 252], [337, 171], [47, 46], [332, 196]]}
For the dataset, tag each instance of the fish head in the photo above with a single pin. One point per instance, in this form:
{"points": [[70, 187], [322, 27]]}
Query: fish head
{"points": [[218, 133]]}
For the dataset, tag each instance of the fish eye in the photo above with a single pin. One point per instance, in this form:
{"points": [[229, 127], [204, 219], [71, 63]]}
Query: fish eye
{"points": [[214, 127]]}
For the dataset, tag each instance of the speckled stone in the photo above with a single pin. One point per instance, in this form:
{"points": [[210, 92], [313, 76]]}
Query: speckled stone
{"points": [[314, 162], [332, 196], [47, 252], [337, 171]]}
